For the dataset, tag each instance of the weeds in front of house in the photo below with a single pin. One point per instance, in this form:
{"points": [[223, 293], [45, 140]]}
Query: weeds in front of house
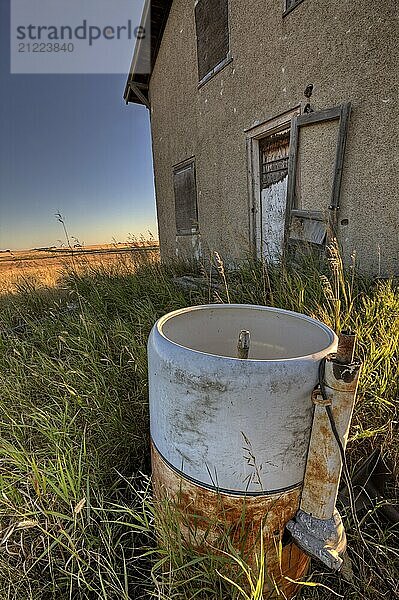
{"points": [[77, 517]]}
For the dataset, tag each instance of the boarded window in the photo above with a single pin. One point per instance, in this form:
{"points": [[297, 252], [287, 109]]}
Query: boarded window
{"points": [[212, 23], [185, 199]]}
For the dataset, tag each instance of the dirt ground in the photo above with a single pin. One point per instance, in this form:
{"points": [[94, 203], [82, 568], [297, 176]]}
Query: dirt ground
{"points": [[44, 266]]}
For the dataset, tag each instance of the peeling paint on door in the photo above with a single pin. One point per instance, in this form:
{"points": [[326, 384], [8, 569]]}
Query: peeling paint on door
{"points": [[274, 151]]}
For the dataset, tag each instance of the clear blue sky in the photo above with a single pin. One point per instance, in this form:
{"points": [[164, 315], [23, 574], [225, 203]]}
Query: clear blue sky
{"points": [[69, 143]]}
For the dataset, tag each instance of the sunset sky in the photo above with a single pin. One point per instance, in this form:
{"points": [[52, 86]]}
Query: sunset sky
{"points": [[69, 144]]}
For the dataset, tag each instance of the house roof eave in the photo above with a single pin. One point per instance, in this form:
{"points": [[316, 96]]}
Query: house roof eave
{"points": [[155, 13]]}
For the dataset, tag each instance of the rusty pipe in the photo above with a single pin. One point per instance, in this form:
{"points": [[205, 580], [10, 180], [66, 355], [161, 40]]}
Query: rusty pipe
{"points": [[346, 348], [243, 344], [317, 527], [324, 463]]}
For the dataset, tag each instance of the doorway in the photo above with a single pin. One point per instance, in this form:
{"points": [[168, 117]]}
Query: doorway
{"points": [[274, 154], [268, 164]]}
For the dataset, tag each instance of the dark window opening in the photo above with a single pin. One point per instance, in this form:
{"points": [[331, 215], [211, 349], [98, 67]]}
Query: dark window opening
{"points": [[186, 212], [212, 26]]}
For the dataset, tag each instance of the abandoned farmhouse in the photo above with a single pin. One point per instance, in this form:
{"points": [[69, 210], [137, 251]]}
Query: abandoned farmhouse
{"points": [[275, 125]]}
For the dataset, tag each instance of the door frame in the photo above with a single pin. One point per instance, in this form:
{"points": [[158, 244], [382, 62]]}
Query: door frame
{"points": [[253, 136]]}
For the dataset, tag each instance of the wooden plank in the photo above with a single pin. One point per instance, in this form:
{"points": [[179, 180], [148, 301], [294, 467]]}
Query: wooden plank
{"points": [[292, 164], [274, 124], [339, 158], [144, 100], [329, 114], [308, 230], [338, 167], [257, 196], [251, 200], [141, 86], [314, 215]]}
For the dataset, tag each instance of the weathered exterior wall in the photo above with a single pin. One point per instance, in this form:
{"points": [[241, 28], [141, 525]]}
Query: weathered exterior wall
{"points": [[348, 50], [316, 155]]}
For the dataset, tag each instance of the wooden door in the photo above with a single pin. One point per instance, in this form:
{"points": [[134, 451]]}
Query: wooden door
{"points": [[274, 153]]}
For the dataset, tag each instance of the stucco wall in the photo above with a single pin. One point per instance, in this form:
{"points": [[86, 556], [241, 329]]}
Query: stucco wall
{"points": [[348, 50], [316, 155]]}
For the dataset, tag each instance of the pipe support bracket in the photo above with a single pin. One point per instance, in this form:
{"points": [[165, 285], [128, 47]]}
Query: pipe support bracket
{"points": [[324, 539]]}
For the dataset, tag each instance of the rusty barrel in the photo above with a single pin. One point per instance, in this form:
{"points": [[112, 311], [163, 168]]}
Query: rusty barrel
{"points": [[230, 435]]}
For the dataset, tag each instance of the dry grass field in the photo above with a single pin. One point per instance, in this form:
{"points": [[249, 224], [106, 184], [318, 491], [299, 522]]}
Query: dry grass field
{"points": [[44, 267], [77, 517]]}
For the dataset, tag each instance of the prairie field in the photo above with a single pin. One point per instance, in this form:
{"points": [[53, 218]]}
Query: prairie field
{"points": [[76, 509], [44, 267]]}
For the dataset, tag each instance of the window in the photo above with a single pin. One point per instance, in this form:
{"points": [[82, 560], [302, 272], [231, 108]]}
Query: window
{"points": [[212, 25], [186, 212]]}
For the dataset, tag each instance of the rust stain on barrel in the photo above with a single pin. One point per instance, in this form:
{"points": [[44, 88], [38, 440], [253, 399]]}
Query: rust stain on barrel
{"points": [[208, 515]]}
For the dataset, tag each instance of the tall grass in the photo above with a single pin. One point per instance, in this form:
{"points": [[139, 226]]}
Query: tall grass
{"points": [[77, 516]]}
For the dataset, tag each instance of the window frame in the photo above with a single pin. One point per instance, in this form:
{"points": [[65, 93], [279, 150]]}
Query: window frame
{"points": [[189, 162], [340, 113], [225, 61]]}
